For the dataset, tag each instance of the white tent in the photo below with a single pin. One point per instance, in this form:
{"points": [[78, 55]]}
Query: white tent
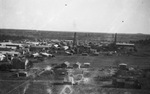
{"points": [[2, 57]]}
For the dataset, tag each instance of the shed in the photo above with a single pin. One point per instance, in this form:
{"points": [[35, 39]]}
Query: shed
{"points": [[18, 63]]}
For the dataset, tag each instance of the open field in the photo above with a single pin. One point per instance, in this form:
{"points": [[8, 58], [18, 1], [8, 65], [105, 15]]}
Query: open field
{"points": [[43, 83], [100, 61]]}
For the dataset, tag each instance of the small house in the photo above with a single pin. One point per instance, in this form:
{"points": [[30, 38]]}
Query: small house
{"points": [[18, 63]]}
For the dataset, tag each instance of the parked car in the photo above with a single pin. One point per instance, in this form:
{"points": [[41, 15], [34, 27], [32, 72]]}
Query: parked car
{"points": [[21, 74], [68, 53], [47, 54]]}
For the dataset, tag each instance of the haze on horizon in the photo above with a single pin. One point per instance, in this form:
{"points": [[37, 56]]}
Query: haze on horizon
{"points": [[109, 16]]}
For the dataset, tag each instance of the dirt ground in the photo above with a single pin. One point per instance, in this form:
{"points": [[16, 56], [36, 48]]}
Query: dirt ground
{"points": [[43, 83], [100, 61]]}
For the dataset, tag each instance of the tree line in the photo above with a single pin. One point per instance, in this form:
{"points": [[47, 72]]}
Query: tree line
{"points": [[14, 38], [142, 42]]}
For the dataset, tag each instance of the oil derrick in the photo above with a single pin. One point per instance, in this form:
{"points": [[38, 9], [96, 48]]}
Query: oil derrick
{"points": [[115, 39], [74, 40], [75, 43], [113, 45]]}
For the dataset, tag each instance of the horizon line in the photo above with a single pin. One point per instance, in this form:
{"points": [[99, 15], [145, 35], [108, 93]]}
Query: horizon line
{"points": [[39, 30]]}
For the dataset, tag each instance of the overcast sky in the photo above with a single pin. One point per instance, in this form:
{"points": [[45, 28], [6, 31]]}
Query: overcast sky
{"points": [[110, 16]]}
